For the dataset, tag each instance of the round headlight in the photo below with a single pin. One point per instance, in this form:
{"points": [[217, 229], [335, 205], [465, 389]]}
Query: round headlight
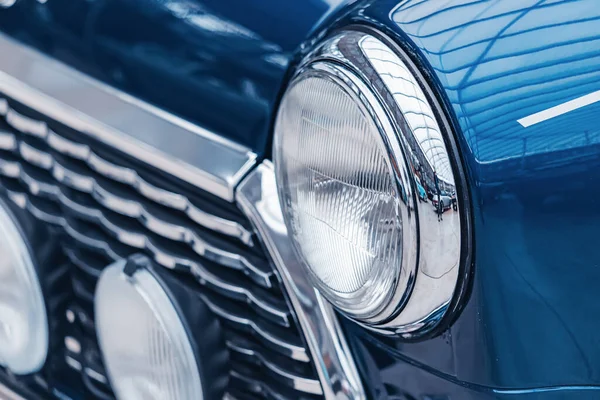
{"points": [[148, 345], [358, 146], [341, 196], [23, 318]]}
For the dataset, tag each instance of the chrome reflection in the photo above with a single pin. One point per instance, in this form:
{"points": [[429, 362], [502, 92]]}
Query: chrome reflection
{"points": [[257, 196], [411, 122], [207, 161]]}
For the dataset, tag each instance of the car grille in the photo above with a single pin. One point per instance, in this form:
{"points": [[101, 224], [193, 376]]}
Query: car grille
{"points": [[106, 206]]}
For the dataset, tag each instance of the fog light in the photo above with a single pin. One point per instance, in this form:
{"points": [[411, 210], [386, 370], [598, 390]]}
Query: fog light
{"points": [[23, 319], [150, 343]]}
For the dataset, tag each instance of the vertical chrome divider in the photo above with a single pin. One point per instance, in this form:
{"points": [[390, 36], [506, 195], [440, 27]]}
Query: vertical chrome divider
{"points": [[257, 197]]}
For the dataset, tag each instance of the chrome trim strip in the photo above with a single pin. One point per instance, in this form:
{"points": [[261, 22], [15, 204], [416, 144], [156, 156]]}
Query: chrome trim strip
{"points": [[7, 394], [257, 196], [297, 353], [105, 198], [123, 175], [160, 139], [285, 377], [227, 289]]}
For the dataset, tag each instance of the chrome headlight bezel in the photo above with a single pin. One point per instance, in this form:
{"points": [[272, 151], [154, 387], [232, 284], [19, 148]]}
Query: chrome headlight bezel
{"points": [[428, 285]]}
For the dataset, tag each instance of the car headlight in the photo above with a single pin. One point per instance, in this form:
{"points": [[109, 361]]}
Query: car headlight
{"points": [[23, 319], [158, 341], [355, 138]]}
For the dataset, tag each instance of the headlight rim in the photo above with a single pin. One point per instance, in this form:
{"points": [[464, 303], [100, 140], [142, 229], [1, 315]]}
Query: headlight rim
{"points": [[438, 319]]}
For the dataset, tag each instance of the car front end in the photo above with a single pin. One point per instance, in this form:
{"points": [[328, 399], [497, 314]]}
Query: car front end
{"points": [[218, 199]]}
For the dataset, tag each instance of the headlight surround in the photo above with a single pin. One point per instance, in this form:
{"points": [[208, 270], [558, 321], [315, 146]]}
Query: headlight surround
{"points": [[381, 94], [23, 318]]}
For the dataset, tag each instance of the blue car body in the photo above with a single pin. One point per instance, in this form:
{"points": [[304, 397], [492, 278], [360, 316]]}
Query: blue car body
{"points": [[528, 329], [422, 193]]}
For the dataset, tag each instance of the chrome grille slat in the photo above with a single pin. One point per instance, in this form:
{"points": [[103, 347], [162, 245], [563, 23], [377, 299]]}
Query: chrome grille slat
{"points": [[125, 175], [294, 351], [285, 377], [263, 334], [22, 200], [251, 383], [7, 141], [140, 241], [75, 258], [10, 169], [136, 210]]}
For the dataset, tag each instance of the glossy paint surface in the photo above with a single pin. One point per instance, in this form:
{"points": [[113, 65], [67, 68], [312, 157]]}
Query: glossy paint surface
{"points": [[531, 320], [217, 63], [530, 327]]}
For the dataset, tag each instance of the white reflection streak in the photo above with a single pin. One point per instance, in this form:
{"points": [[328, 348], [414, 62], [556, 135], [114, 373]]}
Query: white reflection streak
{"points": [[560, 109]]}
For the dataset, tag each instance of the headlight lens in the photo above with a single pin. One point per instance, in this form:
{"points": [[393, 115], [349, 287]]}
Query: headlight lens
{"points": [[340, 195], [144, 342], [23, 319]]}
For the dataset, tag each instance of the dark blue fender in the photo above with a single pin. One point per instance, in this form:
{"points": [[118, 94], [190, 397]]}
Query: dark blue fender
{"points": [[532, 318], [530, 325]]}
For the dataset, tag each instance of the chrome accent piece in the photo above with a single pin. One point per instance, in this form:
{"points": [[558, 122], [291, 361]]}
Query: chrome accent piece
{"points": [[254, 385], [257, 196], [153, 136], [26, 125], [7, 141], [390, 89], [73, 363], [10, 169], [284, 377], [72, 345], [128, 207], [70, 315], [295, 352], [98, 377], [162, 257], [126, 176], [75, 257], [7, 394]]}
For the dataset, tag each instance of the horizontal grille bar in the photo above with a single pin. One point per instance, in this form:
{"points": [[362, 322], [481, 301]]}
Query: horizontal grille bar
{"points": [[121, 174], [107, 198]]}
